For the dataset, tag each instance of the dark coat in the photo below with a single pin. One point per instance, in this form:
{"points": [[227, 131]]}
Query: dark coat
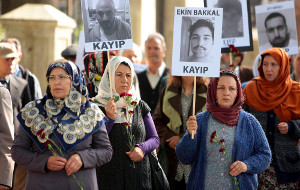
{"points": [[20, 96], [161, 121]]}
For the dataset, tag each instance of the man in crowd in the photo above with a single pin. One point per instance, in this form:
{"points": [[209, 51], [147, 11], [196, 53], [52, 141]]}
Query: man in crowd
{"points": [[20, 94], [6, 139], [277, 32], [19, 71], [70, 53], [201, 41], [109, 27], [150, 79]]}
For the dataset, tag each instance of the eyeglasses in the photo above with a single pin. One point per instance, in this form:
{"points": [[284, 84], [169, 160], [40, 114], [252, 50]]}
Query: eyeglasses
{"points": [[108, 13], [52, 78]]}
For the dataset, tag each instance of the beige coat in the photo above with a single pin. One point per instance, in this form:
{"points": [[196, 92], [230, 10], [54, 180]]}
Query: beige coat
{"points": [[6, 137]]}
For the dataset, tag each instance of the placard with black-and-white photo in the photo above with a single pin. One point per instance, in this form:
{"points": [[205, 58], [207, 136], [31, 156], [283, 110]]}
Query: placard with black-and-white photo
{"points": [[197, 41], [276, 26], [237, 28], [106, 25]]}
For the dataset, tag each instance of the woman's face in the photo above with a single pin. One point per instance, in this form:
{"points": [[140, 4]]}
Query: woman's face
{"points": [[226, 91], [59, 82], [270, 68], [123, 79]]}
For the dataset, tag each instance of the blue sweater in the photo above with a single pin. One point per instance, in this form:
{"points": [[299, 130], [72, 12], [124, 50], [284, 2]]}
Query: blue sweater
{"points": [[250, 146]]}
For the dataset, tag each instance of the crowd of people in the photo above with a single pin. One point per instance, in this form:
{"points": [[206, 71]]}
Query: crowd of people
{"points": [[95, 129]]}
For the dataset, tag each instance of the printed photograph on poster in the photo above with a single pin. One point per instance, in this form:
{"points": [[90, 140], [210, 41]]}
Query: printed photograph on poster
{"points": [[276, 27], [106, 25], [197, 42], [237, 28]]}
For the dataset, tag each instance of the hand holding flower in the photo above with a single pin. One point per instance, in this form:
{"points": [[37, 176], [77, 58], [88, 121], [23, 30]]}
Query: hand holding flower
{"points": [[191, 125], [173, 141], [237, 168], [73, 164], [136, 155], [283, 128], [56, 163], [111, 109]]}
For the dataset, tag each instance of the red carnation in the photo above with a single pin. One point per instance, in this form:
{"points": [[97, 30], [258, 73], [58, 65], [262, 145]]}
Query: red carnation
{"points": [[131, 111], [222, 140], [39, 131], [125, 124], [129, 95], [212, 136], [122, 94], [133, 103], [235, 50], [43, 136], [222, 150], [47, 143], [231, 46]]}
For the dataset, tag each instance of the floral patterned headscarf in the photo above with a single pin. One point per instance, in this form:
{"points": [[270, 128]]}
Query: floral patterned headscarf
{"points": [[71, 119], [104, 94]]}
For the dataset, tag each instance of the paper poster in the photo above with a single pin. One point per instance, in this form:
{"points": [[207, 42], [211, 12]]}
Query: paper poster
{"points": [[276, 26], [197, 42], [107, 25]]}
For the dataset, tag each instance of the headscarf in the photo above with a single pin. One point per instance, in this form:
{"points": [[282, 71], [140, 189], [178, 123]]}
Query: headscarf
{"points": [[281, 95], [71, 119], [104, 94], [95, 64], [228, 116]]}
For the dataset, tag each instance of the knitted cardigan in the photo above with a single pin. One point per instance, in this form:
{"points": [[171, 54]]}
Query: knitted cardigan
{"points": [[250, 146]]}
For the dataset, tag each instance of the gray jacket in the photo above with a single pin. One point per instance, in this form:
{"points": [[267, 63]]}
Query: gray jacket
{"points": [[94, 151]]}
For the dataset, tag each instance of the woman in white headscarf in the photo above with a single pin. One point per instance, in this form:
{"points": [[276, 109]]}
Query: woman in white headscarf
{"points": [[131, 129]]}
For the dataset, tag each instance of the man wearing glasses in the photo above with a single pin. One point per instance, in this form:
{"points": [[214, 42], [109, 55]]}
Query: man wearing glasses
{"points": [[109, 27], [277, 32]]}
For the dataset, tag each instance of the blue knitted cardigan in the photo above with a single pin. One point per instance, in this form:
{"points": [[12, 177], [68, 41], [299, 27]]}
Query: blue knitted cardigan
{"points": [[250, 146]]}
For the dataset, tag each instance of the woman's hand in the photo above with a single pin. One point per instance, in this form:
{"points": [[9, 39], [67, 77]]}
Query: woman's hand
{"points": [[191, 125], [74, 164], [111, 109], [237, 168], [56, 163], [283, 128], [173, 141], [2, 187], [136, 155]]}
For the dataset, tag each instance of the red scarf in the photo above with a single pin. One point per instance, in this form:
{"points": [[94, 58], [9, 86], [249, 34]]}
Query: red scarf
{"points": [[228, 116]]}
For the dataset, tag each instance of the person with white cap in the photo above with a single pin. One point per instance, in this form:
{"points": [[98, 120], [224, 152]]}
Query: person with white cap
{"points": [[19, 91]]}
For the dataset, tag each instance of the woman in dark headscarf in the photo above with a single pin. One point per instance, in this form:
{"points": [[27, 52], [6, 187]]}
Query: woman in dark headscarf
{"points": [[229, 148], [274, 99], [66, 117]]}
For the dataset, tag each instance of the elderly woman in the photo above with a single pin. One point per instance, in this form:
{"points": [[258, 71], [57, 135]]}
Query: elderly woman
{"points": [[230, 147], [73, 126], [173, 110], [131, 130], [274, 99]]}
